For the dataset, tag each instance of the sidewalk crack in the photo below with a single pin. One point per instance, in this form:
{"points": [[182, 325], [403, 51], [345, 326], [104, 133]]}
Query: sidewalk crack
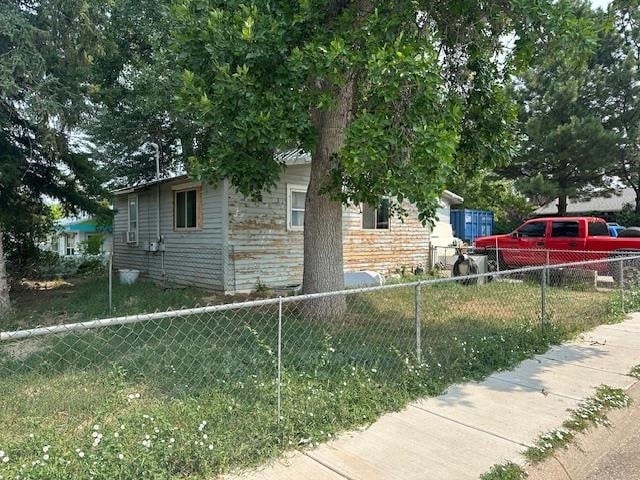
{"points": [[471, 426], [327, 466]]}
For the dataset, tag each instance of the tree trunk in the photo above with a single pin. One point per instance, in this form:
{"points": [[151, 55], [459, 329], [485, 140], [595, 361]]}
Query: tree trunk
{"points": [[323, 261], [5, 304], [637, 209], [562, 205]]}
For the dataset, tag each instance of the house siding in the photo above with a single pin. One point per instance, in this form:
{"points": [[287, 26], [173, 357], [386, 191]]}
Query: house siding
{"points": [[194, 258], [263, 250], [404, 244]]}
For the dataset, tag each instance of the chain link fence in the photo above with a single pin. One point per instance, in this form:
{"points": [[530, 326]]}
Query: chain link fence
{"points": [[202, 391]]}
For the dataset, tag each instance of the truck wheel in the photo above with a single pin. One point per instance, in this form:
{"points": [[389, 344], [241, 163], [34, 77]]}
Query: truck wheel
{"points": [[465, 266], [497, 259]]}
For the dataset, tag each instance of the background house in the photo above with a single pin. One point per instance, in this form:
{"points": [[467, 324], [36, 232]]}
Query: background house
{"points": [[192, 233], [71, 234], [605, 207]]}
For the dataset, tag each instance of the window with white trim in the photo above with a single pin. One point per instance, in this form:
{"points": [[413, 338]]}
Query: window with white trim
{"points": [[186, 209], [132, 228], [70, 244], [296, 195], [376, 218]]}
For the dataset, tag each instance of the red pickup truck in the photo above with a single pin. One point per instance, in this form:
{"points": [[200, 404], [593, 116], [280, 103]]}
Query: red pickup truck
{"points": [[557, 240]]}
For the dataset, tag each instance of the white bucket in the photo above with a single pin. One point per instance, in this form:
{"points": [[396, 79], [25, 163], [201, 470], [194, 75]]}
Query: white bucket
{"points": [[128, 276]]}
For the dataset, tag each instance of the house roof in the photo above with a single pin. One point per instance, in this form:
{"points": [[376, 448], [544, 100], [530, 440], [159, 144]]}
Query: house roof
{"points": [[452, 197], [288, 157], [145, 184], [81, 224], [613, 203]]}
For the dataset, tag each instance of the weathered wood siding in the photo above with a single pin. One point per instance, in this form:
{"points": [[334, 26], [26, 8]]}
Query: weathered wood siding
{"points": [[264, 251], [404, 244], [191, 258]]}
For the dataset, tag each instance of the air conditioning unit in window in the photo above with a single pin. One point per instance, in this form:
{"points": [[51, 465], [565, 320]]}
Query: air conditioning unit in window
{"points": [[131, 237]]}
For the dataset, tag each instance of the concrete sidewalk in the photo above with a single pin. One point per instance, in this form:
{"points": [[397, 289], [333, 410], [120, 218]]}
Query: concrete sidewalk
{"points": [[461, 434]]}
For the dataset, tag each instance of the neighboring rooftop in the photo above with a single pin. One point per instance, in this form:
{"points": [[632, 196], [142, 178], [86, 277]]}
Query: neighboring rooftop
{"points": [[614, 203]]}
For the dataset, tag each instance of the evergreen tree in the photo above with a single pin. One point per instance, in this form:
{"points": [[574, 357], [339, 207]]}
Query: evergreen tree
{"points": [[45, 50]]}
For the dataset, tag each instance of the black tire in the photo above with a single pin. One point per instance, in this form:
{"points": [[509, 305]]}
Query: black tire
{"points": [[630, 232], [465, 266], [497, 259]]}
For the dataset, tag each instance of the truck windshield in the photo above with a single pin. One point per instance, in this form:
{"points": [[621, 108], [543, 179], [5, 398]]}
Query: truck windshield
{"points": [[598, 229]]}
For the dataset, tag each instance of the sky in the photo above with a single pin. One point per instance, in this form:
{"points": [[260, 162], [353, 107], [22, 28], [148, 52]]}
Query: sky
{"points": [[600, 3]]}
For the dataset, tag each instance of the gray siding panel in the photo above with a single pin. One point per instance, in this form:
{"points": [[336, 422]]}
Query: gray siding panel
{"points": [[194, 258]]}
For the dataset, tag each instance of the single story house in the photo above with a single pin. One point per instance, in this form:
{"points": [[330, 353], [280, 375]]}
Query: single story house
{"points": [[71, 235], [606, 207], [194, 234]]}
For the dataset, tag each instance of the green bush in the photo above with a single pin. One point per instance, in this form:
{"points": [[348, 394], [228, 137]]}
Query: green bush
{"points": [[92, 245], [50, 264]]}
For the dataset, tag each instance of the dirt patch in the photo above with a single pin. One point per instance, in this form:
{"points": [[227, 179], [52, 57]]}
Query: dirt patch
{"points": [[24, 348], [30, 296]]}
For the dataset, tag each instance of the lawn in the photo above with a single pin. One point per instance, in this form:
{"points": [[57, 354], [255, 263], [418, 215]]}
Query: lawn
{"points": [[78, 299], [196, 396]]}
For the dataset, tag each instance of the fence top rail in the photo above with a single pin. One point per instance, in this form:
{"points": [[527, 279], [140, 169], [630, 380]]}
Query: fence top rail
{"points": [[186, 312]]}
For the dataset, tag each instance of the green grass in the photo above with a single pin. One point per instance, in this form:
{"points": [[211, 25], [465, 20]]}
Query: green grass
{"points": [[80, 299], [165, 378], [590, 413], [507, 471], [635, 372]]}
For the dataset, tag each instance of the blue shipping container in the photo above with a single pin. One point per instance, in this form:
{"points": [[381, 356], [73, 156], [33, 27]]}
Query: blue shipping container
{"points": [[471, 224]]}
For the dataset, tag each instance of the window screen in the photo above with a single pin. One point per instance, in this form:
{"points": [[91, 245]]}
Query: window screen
{"points": [[186, 209], [376, 218], [564, 229], [296, 202], [534, 229]]}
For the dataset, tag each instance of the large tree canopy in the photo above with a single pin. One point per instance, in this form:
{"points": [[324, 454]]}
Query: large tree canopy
{"points": [[615, 89], [563, 139], [389, 97], [45, 50], [134, 91]]}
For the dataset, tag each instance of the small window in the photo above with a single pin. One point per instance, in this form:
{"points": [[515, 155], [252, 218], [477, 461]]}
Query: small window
{"points": [[132, 229], [564, 229], [70, 245], [598, 229], [296, 196], [186, 209], [376, 218], [534, 229]]}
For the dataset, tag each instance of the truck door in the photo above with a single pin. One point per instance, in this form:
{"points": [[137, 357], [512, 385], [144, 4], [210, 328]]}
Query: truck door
{"points": [[565, 242], [527, 244]]}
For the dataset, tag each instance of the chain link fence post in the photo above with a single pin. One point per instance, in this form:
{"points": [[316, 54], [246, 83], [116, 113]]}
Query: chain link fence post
{"points": [[622, 286], [419, 322], [110, 279], [279, 374], [543, 295]]}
